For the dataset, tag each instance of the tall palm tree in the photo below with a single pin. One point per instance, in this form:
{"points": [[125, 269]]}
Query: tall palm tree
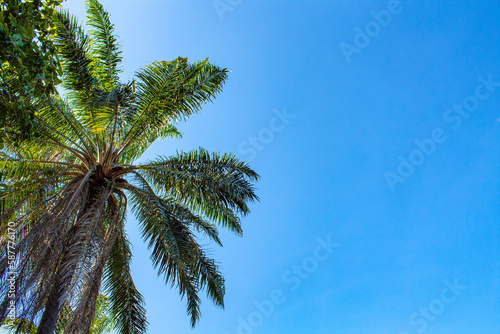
{"points": [[66, 189]]}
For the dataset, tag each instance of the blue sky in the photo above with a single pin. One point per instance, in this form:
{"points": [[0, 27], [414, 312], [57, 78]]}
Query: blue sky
{"points": [[378, 209]]}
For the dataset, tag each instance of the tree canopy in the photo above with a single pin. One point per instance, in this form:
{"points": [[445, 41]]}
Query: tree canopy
{"points": [[29, 67]]}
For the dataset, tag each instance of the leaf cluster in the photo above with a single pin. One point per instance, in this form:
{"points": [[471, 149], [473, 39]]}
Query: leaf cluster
{"points": [[29, 66]]}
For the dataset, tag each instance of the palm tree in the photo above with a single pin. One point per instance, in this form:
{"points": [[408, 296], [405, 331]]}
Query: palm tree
{"points": [[67, 188]]}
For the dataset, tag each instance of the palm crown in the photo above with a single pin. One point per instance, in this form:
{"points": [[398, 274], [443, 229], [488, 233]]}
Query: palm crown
{"points": [[66, 189]]}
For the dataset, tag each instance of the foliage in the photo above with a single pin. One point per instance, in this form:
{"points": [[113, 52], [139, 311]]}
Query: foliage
{"points": [[28, 63], [101, 324], [67, 188]]}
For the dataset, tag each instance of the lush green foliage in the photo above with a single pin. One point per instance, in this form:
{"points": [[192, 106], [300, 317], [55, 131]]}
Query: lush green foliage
{"points": [[67, 188], [28, 63]]}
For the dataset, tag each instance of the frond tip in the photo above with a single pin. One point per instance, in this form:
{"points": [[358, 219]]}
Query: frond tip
{"points": [[105, 48]]}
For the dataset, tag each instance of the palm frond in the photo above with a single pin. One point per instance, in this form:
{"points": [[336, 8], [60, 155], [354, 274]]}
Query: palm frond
{"points": [[177, 256], [74, 48], [213, 185], [106, 51], [126, 302], [169, 92]]}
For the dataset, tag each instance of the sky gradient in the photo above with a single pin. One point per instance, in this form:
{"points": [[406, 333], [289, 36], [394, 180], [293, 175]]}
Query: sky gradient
{"points": [[375, 128]]}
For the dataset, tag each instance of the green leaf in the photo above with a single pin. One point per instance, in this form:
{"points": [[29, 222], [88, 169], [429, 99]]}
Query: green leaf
{"points": [[12, 19]]}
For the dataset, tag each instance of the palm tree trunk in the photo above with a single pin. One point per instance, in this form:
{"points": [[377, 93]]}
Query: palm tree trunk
{"points": [[49, 319], [56, 298], [66, 269]]}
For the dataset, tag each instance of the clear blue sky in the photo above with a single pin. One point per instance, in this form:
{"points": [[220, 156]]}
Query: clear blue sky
{"points": [[416, 250]]}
